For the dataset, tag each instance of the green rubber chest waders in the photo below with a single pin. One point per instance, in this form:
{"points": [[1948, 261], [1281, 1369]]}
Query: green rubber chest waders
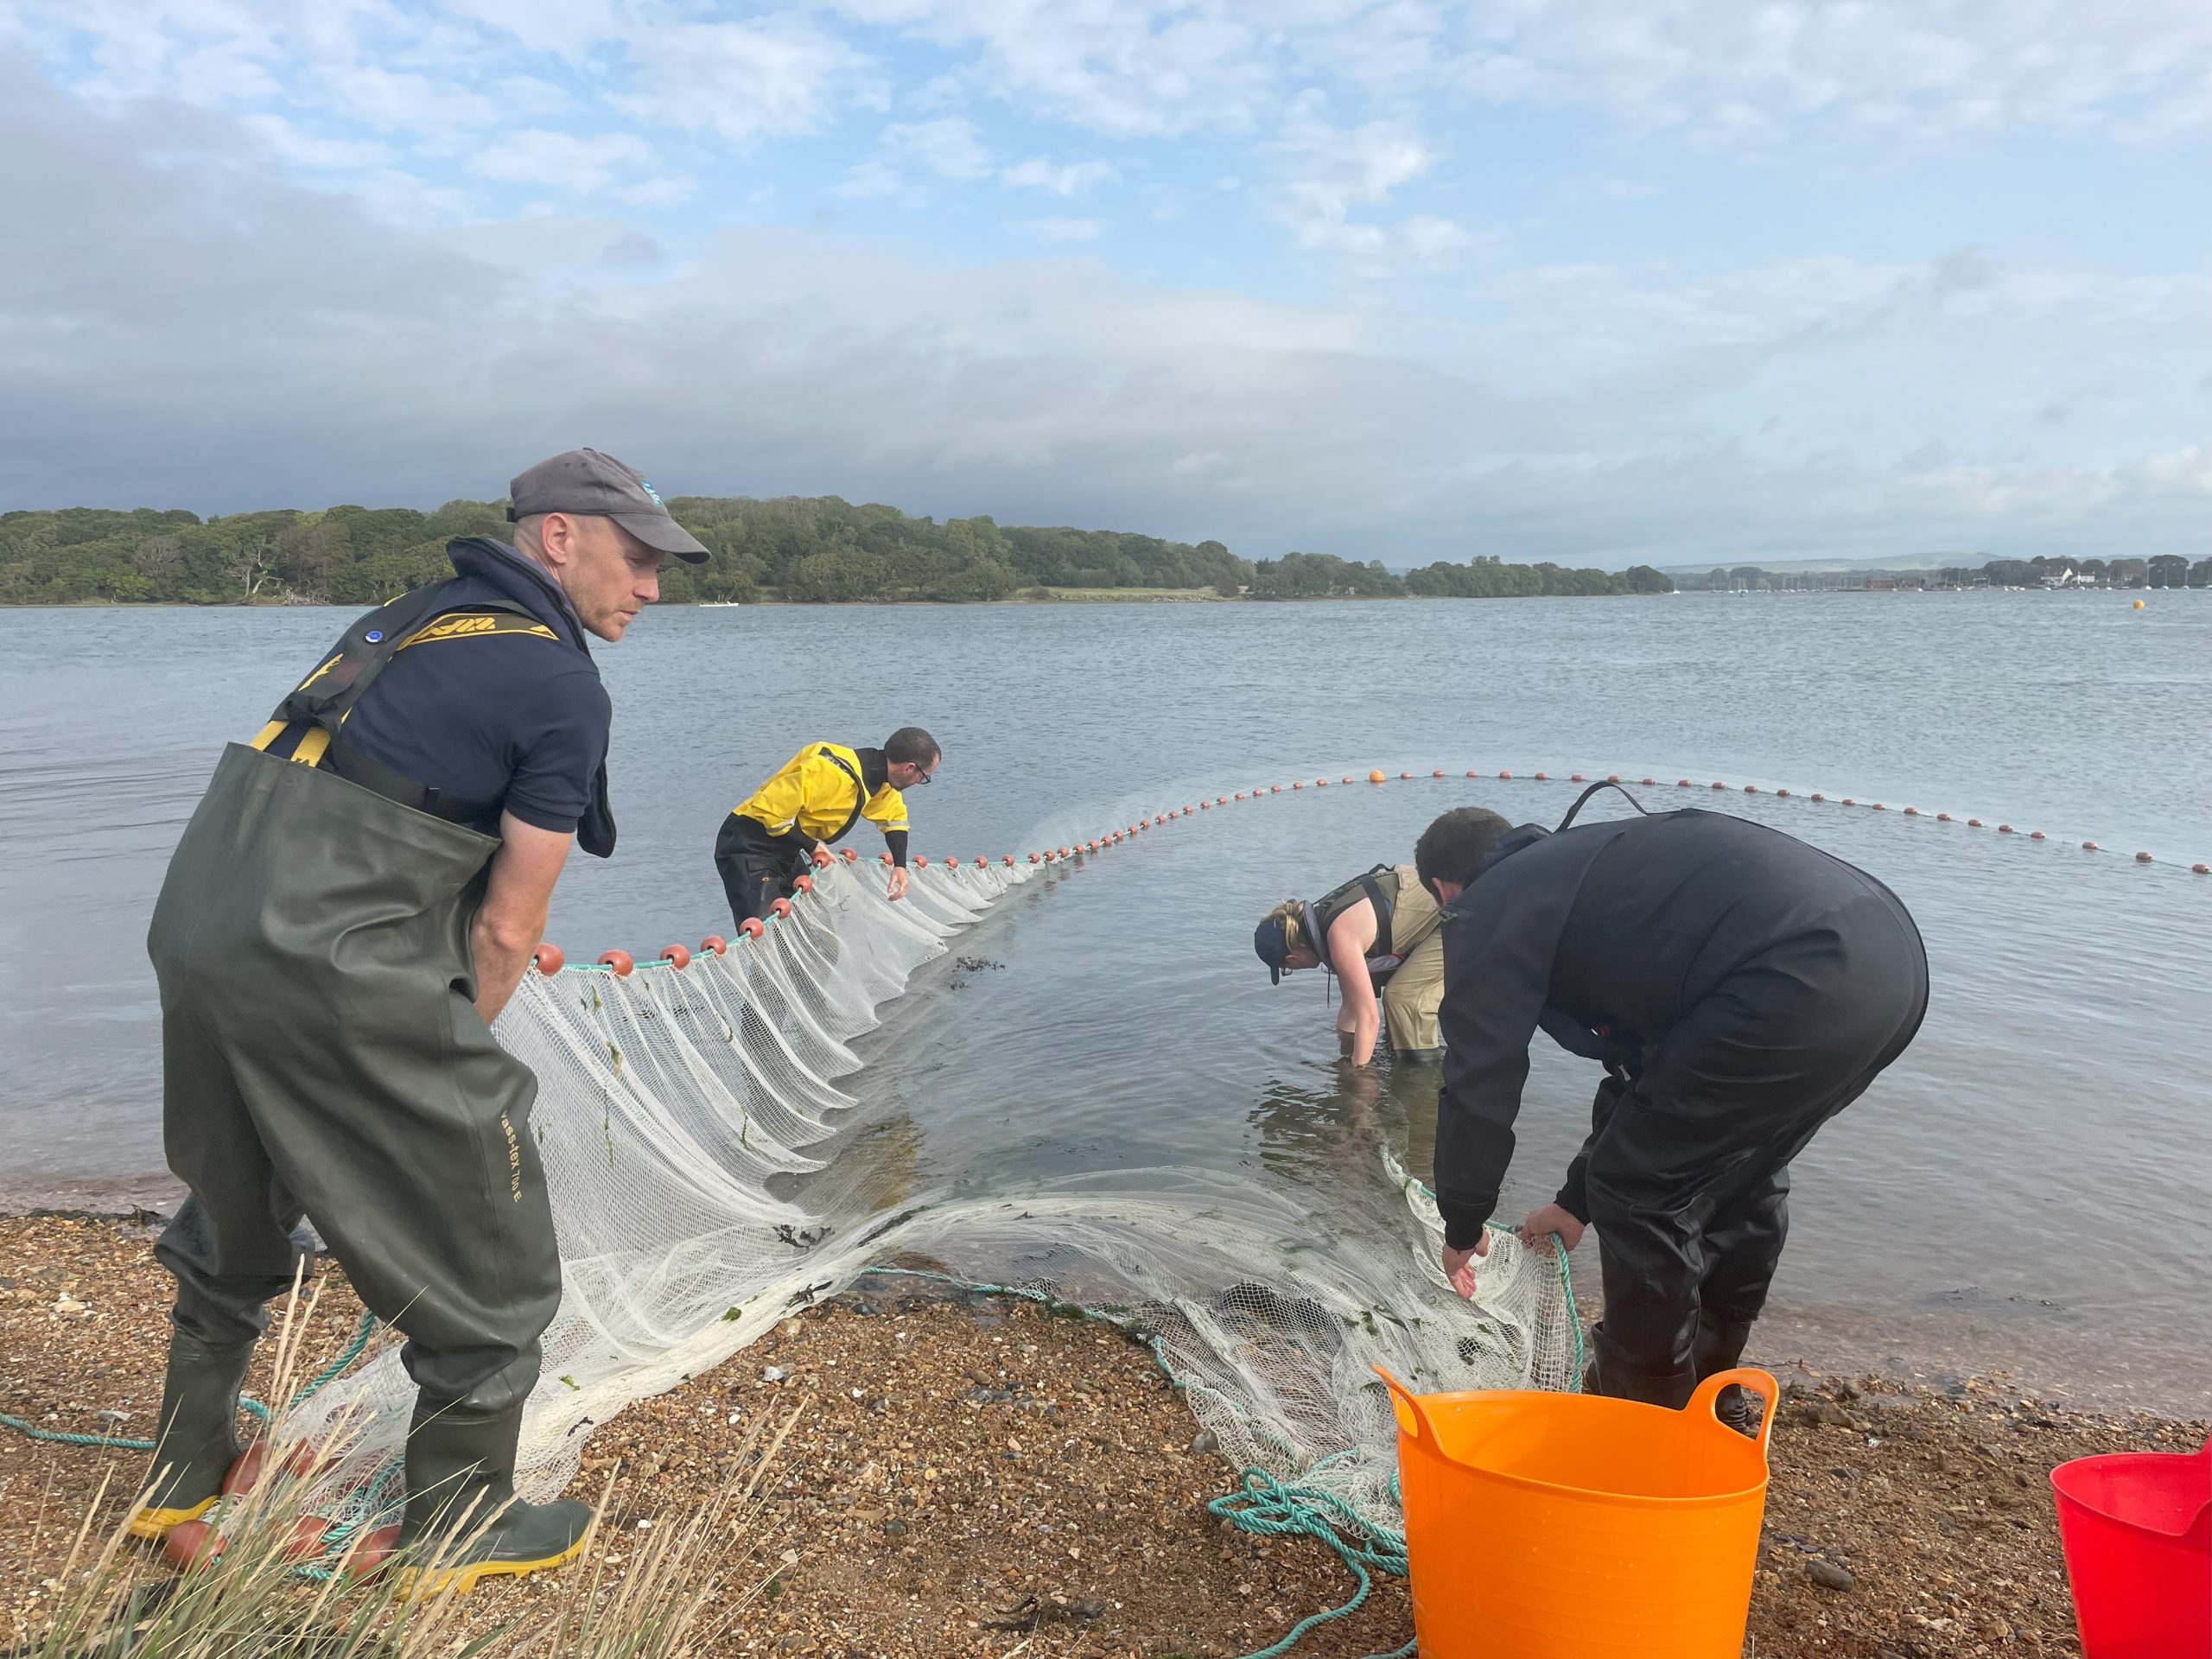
{"points": [[322, 1056]]}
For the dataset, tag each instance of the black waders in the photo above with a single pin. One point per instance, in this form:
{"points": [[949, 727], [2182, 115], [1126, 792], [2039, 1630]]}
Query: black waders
{"points": [[195, 1437], [463, 1520]]}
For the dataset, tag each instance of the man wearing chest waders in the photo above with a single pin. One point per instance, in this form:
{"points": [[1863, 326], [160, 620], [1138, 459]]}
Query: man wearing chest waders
{"points": [[812, 800], [356, 898], [1740, 987], [1377, 934]]}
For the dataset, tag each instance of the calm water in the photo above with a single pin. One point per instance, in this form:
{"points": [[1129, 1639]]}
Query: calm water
{"points": [[2026, 1189]]}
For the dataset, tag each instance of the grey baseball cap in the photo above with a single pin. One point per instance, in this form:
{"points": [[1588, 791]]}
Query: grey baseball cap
{"points": [[585, 481]]}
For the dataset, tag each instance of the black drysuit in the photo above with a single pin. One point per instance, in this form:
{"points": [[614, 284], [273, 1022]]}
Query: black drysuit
{"points": [[1741, 988]]}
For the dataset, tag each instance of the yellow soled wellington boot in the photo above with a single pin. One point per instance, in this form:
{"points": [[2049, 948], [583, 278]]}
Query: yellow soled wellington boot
{"points": [[463, 1521], [195, 1437]]}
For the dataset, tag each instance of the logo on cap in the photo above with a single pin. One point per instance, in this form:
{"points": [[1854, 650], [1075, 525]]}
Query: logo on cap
{"points": [[653, 494]]}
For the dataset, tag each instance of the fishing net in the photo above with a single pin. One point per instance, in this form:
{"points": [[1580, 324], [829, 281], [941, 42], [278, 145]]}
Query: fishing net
{"points": [[678, 1106]]}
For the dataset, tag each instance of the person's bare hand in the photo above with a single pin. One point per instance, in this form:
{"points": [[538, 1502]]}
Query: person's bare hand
{"points": [[898, 887], [1550, 1219], [1459, 1266]]}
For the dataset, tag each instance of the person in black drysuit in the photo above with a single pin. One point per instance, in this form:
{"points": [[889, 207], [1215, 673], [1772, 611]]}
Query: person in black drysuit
{"points": [[358, 893], [1740, 987]]}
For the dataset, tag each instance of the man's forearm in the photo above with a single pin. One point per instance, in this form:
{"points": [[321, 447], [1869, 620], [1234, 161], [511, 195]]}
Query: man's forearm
{"points": [[500, 963]]}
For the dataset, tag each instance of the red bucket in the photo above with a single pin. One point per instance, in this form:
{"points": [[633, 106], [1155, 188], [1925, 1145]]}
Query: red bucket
{"points": [[2137, 1529]]}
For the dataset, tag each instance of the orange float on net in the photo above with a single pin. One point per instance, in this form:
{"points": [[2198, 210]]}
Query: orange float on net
{"points": [[2201, 869], [1274, 789], [1439, 772], [752, 927], [1751, 789], [1782, 792], [1223, 800], [1648, 782], [1402, 774], [1574, 778], [1848, 801], [2004, 829], [1009, 860], [1543, 776], [1682, 782], [921, 863], [1974, 824], [676, 955], [951, 863], [1205, 806], [620, 961], [1717, 784], [1943, 817], [1376, 776], [2035, 835], [715, 943], [1505, 774], [191, 1544], [2088, 846], [549, 959], [1474, 774], [1033, 858], [1876, 806], [852, 856], [1912, 811], [1613, 777], [1818, 796], [2143, 858], [780, 908], [1239, 794], [1320, 783], [821, 858], [802, 884], [883, 858], [1298, 786]]}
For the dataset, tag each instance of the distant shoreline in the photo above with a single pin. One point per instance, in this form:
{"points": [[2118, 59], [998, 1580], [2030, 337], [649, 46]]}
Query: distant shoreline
{"points": [[1131, 596]]}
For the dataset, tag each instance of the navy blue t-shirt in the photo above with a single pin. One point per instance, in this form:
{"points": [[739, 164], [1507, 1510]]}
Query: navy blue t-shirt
{"points": [[512, 718]]}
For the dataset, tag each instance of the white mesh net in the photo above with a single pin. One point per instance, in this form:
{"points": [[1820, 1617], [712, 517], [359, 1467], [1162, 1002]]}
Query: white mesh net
{"points": [[670, 1099]]}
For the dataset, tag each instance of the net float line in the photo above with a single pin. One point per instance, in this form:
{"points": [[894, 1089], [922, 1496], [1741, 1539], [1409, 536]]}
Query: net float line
{"points": [[550, 958]]}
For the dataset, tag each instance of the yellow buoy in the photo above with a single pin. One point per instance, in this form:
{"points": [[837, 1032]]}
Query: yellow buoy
{"points": [[1375, 778], [2139, 604]]}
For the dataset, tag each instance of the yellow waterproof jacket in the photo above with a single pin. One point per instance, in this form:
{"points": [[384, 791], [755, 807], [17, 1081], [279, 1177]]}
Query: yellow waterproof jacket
{"points": [[823, 791]]}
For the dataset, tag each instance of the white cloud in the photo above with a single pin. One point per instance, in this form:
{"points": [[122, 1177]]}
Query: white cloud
{"points": [[1324, 174], [947, 149], [746, 81], [1071, 179], [1062, 230], [1736, 73], [536, 155]]}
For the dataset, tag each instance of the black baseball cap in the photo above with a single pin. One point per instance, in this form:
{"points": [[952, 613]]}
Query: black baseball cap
{"points": [[586, 482], [1271, 939]]}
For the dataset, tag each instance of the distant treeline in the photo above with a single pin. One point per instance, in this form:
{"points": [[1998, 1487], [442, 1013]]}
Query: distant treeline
{"points": [[2164, 570], [808, 548], [1323, 576]]}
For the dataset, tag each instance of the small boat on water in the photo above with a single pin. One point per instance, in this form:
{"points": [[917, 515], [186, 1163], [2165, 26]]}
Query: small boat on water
{"points": [[721, 604]]}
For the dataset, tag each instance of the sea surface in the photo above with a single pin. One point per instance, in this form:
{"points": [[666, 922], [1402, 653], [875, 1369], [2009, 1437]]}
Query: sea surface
{"points": [[2025, 1190]]}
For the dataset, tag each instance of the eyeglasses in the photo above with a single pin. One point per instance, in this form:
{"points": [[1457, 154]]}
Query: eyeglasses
{"points": [[920, 777]]}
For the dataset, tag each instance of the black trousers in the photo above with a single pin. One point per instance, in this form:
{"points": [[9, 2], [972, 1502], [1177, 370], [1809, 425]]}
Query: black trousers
{"points": [[757, 867], [1689, 1162]]}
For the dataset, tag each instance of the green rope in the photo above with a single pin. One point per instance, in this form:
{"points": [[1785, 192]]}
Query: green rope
{"points": [[125, 1443], [1265, 1506]]}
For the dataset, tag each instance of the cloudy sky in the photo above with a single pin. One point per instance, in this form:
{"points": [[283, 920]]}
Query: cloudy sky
{"points": [[1594, 280]]}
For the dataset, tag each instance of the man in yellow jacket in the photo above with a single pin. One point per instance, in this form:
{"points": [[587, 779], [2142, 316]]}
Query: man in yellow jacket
{"points": [[815, 798]]}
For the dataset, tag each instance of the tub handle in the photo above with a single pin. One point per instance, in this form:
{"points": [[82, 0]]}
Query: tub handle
{"points": [[1413, 1419], [1749, 1376]]}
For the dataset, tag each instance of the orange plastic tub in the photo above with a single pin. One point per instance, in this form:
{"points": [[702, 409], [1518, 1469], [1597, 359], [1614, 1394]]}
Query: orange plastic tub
{"points": [[1573, 1526]]}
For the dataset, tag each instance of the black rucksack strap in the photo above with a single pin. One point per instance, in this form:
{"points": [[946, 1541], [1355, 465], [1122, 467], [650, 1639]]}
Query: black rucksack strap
{"points": [[859, 791], [1592, 789]]}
